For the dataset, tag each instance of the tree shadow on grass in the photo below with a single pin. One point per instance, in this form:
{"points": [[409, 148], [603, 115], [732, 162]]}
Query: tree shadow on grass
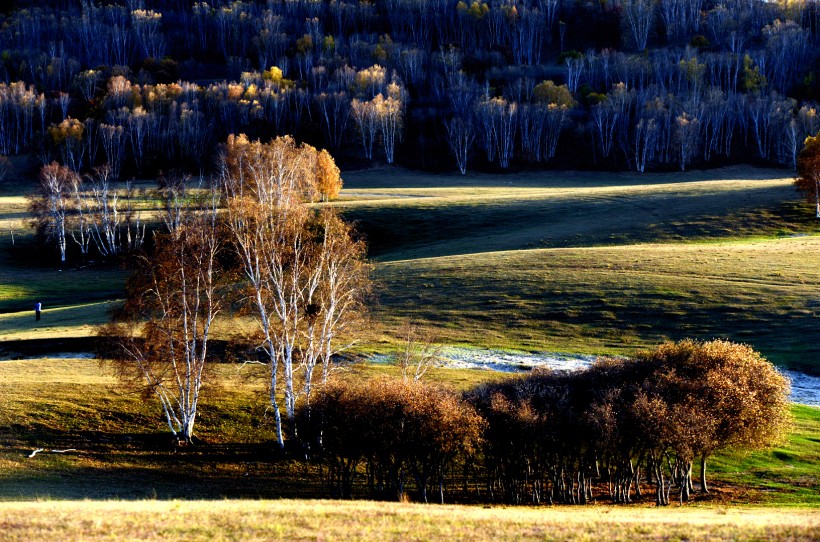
{"points": [[148, 466]]}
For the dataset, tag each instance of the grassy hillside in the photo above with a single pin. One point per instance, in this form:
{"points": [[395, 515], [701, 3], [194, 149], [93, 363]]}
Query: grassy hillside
{"points": [[408, 217], [591, 263], [461, 255], [616, 299]]}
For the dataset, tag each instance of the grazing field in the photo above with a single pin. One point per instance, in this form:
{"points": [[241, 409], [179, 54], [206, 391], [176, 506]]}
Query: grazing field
{"points": [[361, 521], [406, 217], [122, 450], [472, 257], [580, 263], [616, 299]]}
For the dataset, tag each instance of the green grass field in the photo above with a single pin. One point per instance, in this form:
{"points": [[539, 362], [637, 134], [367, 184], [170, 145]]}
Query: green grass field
{"points": [[474, 258], [581, 263], [409, 217], [616, 299]]}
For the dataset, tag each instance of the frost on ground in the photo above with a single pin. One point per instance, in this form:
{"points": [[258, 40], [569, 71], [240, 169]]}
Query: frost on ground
{"points": [[805, 388], [497, 360]]}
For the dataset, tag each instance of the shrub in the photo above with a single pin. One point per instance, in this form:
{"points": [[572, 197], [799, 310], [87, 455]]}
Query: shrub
{"points": [[397, 429]]}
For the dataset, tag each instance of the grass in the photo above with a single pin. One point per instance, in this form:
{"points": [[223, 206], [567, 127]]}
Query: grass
{"points": [[56, 323], [123, 450], [789, 472], [22, 282], [588, 263], [332, 520], [615, 299], [404, 222]]}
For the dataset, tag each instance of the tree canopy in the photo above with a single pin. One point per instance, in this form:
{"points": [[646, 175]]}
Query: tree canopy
{"points": [[808, 171]]}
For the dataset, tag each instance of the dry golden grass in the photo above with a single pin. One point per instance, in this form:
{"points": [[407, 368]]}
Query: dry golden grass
{"points": [[590, 187], [13, 214], [366, 521]]}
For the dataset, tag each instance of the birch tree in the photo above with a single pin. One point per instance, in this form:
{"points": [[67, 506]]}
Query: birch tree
{"points": [[389, 112], [52, 204], [334, 109], [102, 205], [304, 274], [113, 144], [639, 15], [366, 120], [171, 303], [460, 137]]}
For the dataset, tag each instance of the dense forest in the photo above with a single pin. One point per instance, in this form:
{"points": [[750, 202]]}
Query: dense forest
{"points": [[438, 84]]}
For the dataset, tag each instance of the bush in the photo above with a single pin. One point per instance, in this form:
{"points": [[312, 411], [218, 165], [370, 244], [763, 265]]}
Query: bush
{"points": [[396, 428], [553, 436]]}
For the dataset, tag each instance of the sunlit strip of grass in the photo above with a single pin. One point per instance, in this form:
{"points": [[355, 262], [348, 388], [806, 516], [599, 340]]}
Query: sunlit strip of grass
{"points": [[56, 322], [330, 520]]}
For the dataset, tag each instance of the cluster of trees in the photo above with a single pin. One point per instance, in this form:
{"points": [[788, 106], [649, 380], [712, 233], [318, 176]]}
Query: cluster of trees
{"points": [[250, 240], [99, 217], [643, 84], [143, 127], [555, 437], [396, 429], [623, 422]]}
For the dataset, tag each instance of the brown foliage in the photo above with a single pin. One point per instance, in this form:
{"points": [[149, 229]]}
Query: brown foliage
{"points": [[277, 173], [808, 171], [160, 343], [396, 427], [551, 435], [306, 273]]}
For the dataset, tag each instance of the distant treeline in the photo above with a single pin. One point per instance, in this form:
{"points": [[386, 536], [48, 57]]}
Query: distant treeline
{"points": [[606, 433], [638, 84]]}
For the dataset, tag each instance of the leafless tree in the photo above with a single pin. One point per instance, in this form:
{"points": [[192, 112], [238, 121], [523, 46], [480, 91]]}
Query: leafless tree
{"points": [[102, 206], [604, 122], [52, 205], [113, 144], [390, 115], [366, 119], [460, 137], [644, 141], [418, 353], [498, 122], [639, 16], [334, 114], [687, 131]]}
